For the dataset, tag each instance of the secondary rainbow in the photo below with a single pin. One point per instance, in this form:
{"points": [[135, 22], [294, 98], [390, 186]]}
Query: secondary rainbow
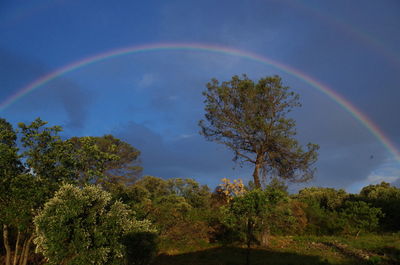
{"points": [[349, 29], [351, 109]]}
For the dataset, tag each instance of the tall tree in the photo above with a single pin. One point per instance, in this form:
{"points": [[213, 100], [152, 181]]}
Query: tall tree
{"points": [[19, 197], [9, 169], [251, 119]]}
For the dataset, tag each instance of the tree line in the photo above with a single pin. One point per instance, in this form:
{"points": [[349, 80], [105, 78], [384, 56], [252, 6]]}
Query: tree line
{"points": [[81, 200]]}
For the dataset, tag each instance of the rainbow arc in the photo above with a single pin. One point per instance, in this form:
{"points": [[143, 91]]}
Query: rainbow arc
{"points": [[339, 99]]}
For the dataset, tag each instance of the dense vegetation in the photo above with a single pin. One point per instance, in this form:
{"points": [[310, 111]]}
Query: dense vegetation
{"points": [[125, 215], [82, 201]]}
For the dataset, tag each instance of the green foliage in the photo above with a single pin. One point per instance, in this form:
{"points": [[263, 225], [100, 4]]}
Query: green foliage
{"points": [[248, 214], [30, 176], [197, 196], [79, 159], [83, 226], [326, 198], [153, 188], [115, 160], [25, 197], [287, 218], [87, 160], [169, 210], [331, 211], [359, 216], [321, 207], [251, 119], [179, 208], [157, 187], [387, 198], [88, 225], [49, 160], [251, 205], [10, 168], [45, 154]]}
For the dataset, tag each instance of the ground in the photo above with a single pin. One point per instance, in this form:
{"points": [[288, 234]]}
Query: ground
{"points": [[286, 250]]}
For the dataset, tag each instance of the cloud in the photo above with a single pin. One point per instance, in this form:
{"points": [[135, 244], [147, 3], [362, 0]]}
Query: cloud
{"points": [[147, 80], [188, 156], [46, 100], [75, 101], [388, 171]]}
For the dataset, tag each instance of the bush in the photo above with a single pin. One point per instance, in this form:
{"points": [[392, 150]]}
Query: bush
{"points": [[360, 216], [82, 226]]}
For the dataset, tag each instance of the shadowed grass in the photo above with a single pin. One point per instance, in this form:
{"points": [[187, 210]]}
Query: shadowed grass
{"points": [[291, 250], [237, 256]]}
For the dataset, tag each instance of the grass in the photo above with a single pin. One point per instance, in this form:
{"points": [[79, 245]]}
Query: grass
{"points": [[296, 250], [237, 256]]}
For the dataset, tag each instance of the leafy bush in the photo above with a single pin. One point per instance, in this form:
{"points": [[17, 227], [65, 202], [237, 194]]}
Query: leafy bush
{"points": [[359, 216], [387, 198], [82, 226]]}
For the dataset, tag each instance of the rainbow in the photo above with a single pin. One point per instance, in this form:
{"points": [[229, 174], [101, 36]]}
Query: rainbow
{"points": [[351, 109]]}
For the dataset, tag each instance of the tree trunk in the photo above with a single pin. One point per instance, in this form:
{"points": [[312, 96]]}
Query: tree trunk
{"points": [[256, 176], [249, 238], [21, 260], [17, 248], [6, 244], [25, 251]]}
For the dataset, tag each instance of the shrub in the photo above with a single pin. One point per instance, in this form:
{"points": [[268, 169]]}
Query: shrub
{"points": [[83, 226]]}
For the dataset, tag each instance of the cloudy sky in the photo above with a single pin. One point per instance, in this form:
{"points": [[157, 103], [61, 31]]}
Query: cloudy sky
{"points": [[152, 98]]}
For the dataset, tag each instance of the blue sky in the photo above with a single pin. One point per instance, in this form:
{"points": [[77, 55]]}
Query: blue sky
{"points": [[153, 99]]}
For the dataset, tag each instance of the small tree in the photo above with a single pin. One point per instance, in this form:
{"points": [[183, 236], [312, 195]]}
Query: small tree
{"points": [[251, 119], [83, 226], [247, 214]]}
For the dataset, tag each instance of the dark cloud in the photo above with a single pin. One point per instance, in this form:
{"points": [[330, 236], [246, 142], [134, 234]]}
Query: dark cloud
{"points": [[61, 93], [346, 144], [187, 156], [75, 101]]}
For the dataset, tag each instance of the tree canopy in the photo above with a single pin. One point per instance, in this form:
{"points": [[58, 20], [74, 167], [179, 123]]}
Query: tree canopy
{"points": [[119, 160], [251, 119]]}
